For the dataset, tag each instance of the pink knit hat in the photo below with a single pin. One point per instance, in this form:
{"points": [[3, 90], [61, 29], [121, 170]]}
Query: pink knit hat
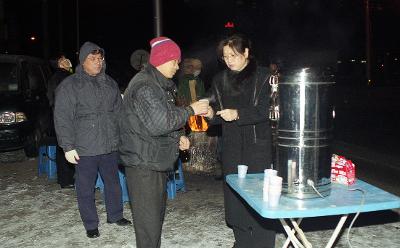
{"points": [[163, 49]]}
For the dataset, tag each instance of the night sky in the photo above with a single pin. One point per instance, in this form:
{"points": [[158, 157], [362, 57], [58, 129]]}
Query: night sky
{"points": [[278, 28]]}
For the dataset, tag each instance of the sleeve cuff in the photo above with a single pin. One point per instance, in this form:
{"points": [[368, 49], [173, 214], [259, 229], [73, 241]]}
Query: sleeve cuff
{"points": [[190, 110]]}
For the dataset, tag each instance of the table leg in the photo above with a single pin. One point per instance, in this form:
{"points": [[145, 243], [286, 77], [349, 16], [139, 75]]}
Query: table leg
{"points": [[336, 231], [301, 234], [296, 243], [287, 242]]}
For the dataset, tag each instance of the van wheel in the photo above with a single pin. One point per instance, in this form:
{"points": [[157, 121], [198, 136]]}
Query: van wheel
{"points": [[32, 144]]}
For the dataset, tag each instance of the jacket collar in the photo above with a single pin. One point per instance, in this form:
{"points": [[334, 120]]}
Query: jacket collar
{"points": [[164, 82]]}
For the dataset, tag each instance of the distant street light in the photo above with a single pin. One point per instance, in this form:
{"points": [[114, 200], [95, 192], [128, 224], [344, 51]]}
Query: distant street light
{"points": [[32, 38], [368, 39]]}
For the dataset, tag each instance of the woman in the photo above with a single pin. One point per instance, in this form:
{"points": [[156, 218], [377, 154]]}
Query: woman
{"points": [[241, 107]]}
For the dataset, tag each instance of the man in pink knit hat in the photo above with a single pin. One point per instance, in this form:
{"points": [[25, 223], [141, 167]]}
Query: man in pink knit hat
{"points": [[151, 136]]}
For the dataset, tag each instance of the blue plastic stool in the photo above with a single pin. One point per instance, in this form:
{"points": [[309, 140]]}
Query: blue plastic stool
{"points": [[175, 183], [122, 182], [47, 161]]}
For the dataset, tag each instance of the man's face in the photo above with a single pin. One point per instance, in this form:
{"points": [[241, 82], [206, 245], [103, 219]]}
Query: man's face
{"points": [[93, 64], [169, 68]]}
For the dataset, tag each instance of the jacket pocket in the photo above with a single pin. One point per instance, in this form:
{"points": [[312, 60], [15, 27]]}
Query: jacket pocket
{"points": [[166, 154], [85, 133]]}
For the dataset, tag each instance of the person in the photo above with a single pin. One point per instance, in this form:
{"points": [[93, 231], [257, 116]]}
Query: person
{"points": [[87, 105], [63, 69], [241, 107], [150, 137], [190, 85], [65, 170]]}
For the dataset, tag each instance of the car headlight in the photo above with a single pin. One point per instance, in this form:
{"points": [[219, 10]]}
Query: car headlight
{"points": [[12, 117], [20, 117]]}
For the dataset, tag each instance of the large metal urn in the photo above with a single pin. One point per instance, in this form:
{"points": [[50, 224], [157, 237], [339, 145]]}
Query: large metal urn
{"points": [[305, 133]]}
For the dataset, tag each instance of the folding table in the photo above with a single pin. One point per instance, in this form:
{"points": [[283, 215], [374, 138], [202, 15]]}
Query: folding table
{"points": [[343, 200]]}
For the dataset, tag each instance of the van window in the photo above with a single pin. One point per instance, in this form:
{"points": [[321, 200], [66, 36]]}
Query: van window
{"points": [[36, 77], [8, 77]]}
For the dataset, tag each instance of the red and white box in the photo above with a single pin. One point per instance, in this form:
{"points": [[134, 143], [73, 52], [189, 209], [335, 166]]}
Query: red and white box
{"points": [[343, 171]]}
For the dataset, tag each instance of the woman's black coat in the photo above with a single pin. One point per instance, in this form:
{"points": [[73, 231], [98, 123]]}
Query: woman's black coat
{"points": [[248, 139], [244, 141]]}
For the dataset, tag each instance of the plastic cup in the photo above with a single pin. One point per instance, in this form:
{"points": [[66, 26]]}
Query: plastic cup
{"points": [[267, 174], [265, 194], [206, 101], [275, 181], [273, 197], [242, 170], [270, 172]]}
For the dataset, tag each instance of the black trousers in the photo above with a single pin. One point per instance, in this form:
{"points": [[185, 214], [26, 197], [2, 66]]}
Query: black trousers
{"points": [[65, 170], [249, 228], [86, 174], [147, 189]]}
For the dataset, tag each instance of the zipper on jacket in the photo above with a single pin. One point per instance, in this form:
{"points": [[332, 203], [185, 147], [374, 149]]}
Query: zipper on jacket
{"points": [[255, 101]]}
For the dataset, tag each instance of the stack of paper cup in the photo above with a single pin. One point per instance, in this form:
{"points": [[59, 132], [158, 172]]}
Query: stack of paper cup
{"points": [[274, 190], [267, 174], [242, 170]]}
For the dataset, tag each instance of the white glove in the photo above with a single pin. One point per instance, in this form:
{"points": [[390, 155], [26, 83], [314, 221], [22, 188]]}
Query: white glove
{"points": [[184, 143], [72, 156], [228, 114]]}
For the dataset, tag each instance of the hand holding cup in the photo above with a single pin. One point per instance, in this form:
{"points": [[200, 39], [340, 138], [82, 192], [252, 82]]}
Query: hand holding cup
{"points": [[200, 107]]}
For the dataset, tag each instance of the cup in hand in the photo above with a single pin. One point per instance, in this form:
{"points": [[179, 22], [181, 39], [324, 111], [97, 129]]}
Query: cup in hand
{"points": [[206, 101], [242, 170]]}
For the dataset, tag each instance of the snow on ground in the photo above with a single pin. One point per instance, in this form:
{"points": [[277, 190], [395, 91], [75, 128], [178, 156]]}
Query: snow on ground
{"points": [[35, 212]]}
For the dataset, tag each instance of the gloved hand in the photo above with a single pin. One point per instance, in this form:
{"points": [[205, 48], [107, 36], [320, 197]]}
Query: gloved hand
{"points": [[210, 113], [228, 114], [72, 156], [184, 143], [200, 107]]}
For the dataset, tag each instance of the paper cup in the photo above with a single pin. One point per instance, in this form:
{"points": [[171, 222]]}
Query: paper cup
{"points": [[242, 171]]}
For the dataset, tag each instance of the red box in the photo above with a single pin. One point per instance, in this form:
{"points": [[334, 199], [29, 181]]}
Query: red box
{"points": [[343, 171]]}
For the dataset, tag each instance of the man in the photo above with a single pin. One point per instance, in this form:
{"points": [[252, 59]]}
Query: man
{"points": [[150, 134], [63, 70], [65, 170], [86, 109], [190, 86]]}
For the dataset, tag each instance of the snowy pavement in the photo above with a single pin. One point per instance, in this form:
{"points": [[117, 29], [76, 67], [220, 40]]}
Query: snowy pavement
{"points": [[35, 212]]}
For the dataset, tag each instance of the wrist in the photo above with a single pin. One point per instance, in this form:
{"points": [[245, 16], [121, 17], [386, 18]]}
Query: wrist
{"points": [[190, 110], [237, 116]]}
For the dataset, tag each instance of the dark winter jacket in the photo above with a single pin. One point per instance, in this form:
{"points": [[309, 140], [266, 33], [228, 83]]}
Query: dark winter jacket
{"points": [[59, 75], [248, 139], [86, 110], [184, 88], [150, 122]]}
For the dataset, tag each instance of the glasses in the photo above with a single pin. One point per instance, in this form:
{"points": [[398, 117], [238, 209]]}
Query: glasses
{"points": [[95, 59]]}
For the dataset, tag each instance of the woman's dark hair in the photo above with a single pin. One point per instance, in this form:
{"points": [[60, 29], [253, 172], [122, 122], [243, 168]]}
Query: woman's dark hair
{"points": [[238, 42]]}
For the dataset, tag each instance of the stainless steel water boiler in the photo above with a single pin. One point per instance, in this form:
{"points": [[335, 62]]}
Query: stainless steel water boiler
{"points": [[305, 134]]}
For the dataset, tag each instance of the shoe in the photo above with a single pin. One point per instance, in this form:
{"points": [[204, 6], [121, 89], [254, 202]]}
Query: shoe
{"points": [[121, 222], [93, 233], [68, 186]]}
